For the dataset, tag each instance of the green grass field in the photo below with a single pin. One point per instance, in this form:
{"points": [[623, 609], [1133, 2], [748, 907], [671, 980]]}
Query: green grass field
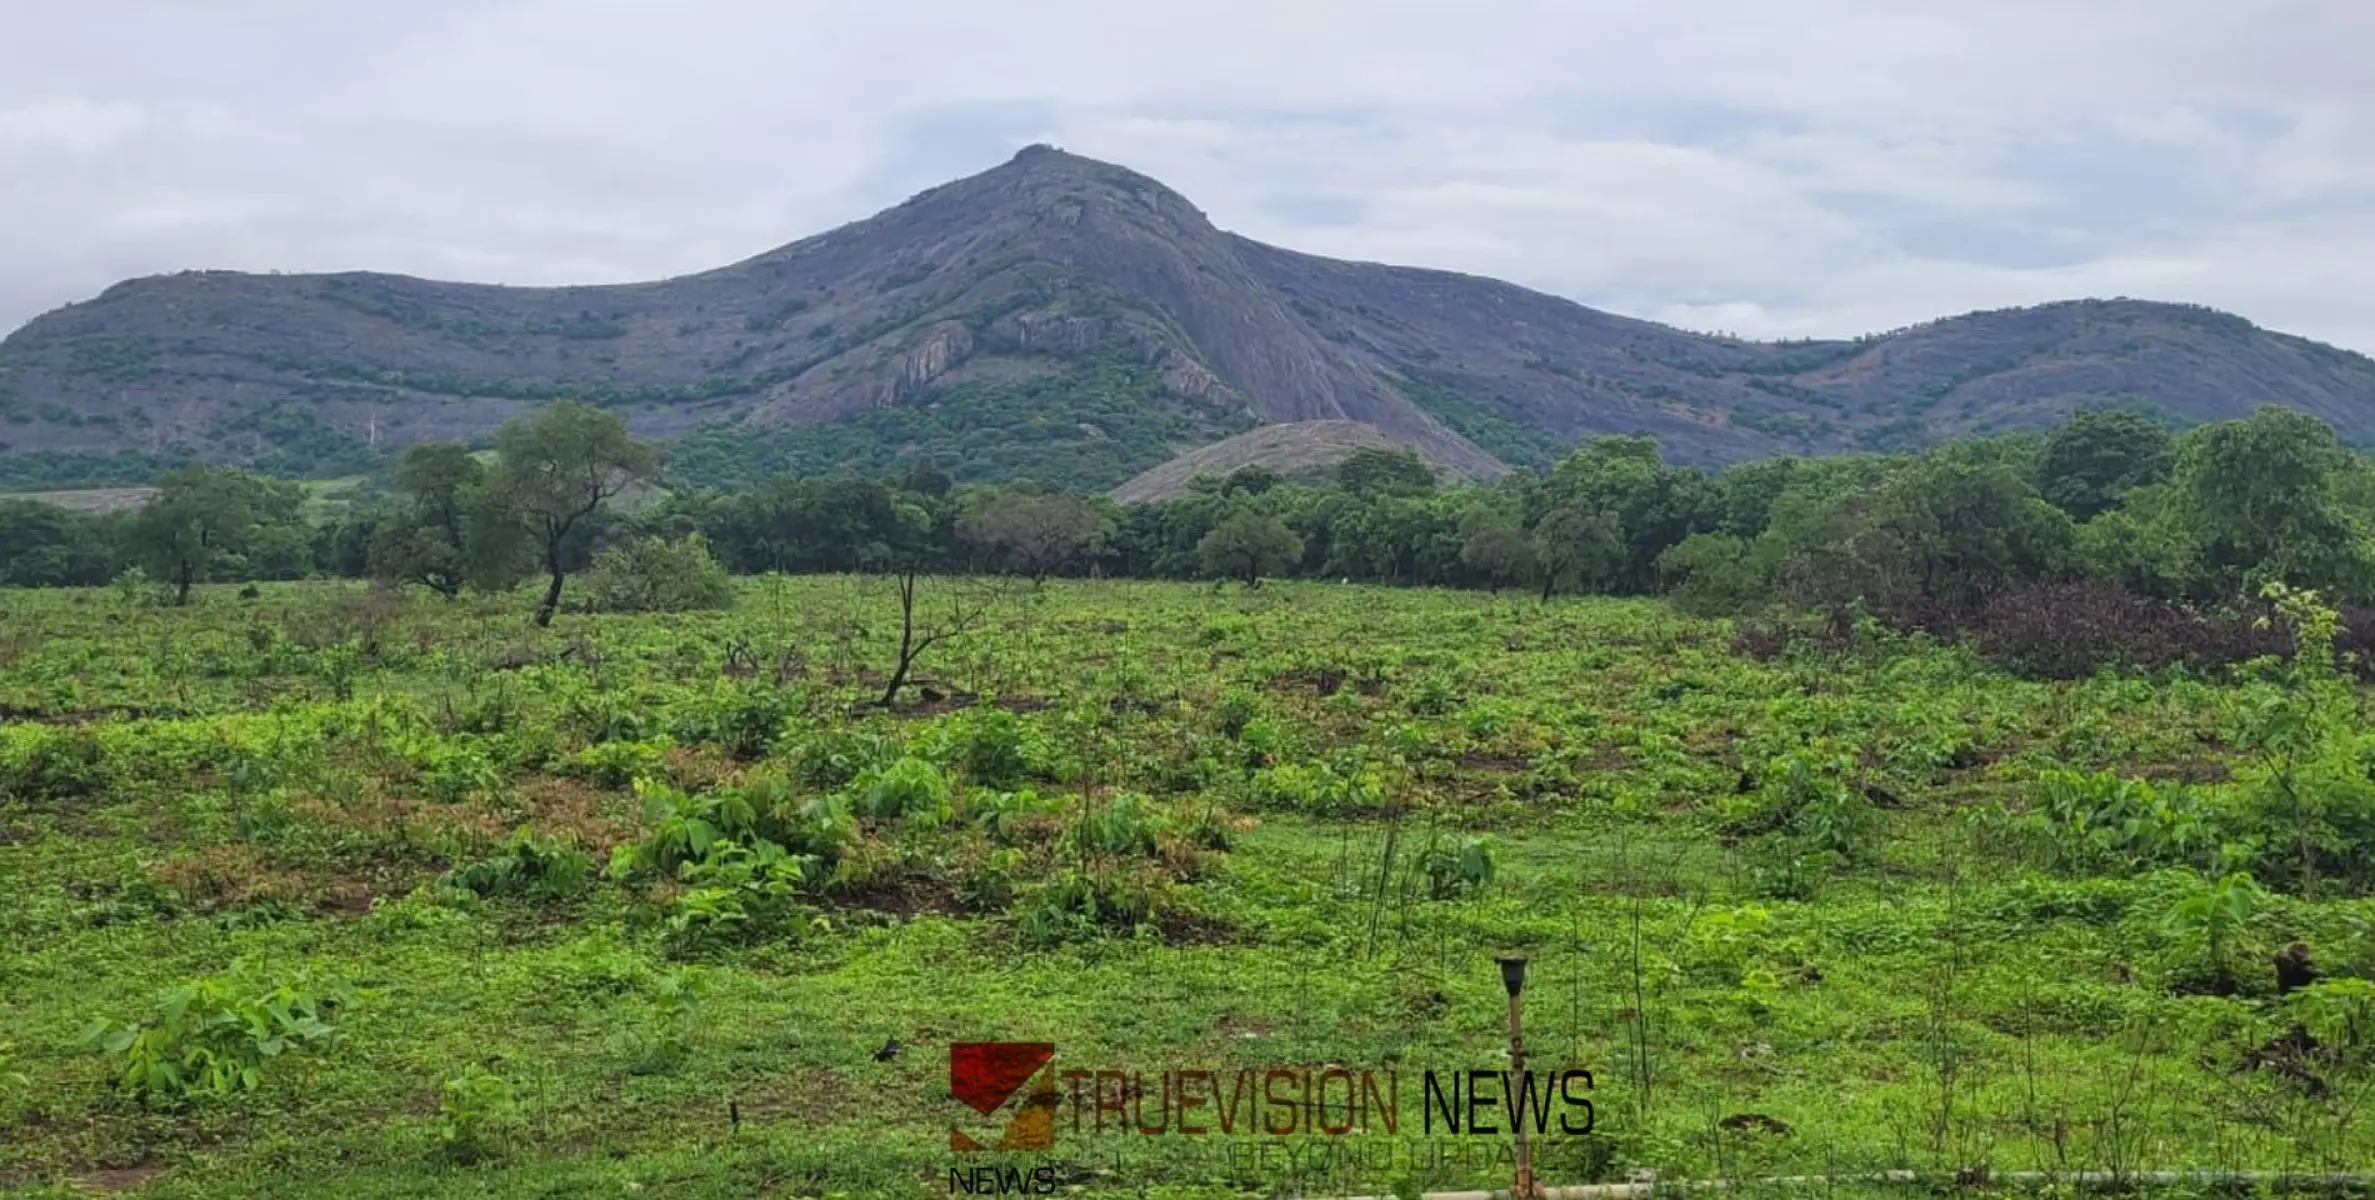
{"points": [[1795, 916]]}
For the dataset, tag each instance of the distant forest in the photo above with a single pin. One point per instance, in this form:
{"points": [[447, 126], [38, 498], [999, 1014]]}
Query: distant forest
{"points": [[2108, 538]]}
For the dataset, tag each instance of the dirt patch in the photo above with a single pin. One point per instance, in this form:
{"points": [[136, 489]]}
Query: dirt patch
{"points": [[1024, 704], [350, 899], [572, 809], [116, 1179], [407, 817], [1324, 681], [1497, 763], [220, 877], [81, 716], [813, 1097]]}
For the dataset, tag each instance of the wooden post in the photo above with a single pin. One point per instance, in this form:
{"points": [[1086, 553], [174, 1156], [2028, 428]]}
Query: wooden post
{"points": [[1513, 979]]}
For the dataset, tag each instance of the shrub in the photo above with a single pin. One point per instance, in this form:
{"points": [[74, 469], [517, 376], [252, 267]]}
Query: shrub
{"points": [[834, 758], [214, 1037], [738, 889], [1004, 815], [43, 764], [1461, 868], [987, 746], [745, 721], [617, 764], [2072, 630], [527, 866], [1125, 826], [1812, 801], [1085, 902], [909, 790], [476, 1114], [657, 575], [2099, 820], [1319, 788], [2215, 914]]}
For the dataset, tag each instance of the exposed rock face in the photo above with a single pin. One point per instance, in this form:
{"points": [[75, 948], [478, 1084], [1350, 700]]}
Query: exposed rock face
{"points": [[1052, 258], [948, 344]]}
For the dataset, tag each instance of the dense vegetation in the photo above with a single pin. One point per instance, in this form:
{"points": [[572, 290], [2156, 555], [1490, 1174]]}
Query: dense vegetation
{"points": [[2108, 539], [2001, 807], [331, 889]]}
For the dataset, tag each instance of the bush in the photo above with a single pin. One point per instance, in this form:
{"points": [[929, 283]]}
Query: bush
{"points": [[910, 790], [989, 747], [1088, 902], [527, 866], [2101, 820], [657, 575], [215, 1037], [476, 1115], [48, 764], [1125, 826]]}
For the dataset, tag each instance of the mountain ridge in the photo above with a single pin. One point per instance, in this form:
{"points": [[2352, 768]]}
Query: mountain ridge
{"points": [[1066, 318]]}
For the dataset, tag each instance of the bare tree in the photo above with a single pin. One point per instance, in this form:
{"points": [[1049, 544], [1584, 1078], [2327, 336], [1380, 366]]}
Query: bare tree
{"points": [[966, 606]]}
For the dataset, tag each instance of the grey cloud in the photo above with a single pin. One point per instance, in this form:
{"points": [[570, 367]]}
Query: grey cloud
{"points": [[1806, 167]]}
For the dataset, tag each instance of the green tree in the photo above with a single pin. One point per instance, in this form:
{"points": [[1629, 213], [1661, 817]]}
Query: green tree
{"points": [[431, 542], [1576, 549], [1494, 547], [1938, 534], [2264, 495], [558, 469], [1369, 471], [1647, 505], [202, 518], [2099, 456], [43, 545], [1248, 545], [1035, 534]]}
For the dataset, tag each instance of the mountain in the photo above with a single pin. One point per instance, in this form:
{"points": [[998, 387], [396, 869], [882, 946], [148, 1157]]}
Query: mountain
{"points": [[1303, 451], [1066, 320]]}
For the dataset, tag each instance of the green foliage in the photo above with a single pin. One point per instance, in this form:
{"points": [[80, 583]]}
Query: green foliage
{"points": [[2100, 820], [1368, 471], [556, 471], [1092, 422], [2215, 915], [657, 575], [478, 1114], [988, 747], [1081, 903], [2339, 1013], [1812, 800], [2099, 456], [1247, 546], [527, 866], [1461, 868], [44, 764], [1320, 789], [1124, 826], [908, 789], [215, 1037]]}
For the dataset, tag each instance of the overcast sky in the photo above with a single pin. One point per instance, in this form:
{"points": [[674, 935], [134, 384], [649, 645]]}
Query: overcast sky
{"points": [[1767, 167]]}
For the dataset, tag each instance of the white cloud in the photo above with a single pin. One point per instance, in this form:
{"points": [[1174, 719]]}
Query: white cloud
{"points": [[1800, 167]]}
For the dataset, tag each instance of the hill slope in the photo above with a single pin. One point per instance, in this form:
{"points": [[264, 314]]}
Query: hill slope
{"points": [[1299, 450], [1065, 319]]}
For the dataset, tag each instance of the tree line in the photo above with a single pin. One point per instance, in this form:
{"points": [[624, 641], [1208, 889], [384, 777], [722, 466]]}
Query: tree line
{"points": [[2111, 499]]}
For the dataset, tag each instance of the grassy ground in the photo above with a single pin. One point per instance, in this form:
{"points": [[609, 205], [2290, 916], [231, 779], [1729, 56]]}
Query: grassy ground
{"points": [[316, 779]]}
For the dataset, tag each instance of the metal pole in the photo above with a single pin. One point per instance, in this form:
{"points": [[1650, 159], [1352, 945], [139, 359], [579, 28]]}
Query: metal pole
{"points": [[1513, 978]]}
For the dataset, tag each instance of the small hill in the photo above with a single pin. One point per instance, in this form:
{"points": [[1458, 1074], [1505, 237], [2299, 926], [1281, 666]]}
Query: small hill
{"points": [[1062, 319], [1304, 451]]}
